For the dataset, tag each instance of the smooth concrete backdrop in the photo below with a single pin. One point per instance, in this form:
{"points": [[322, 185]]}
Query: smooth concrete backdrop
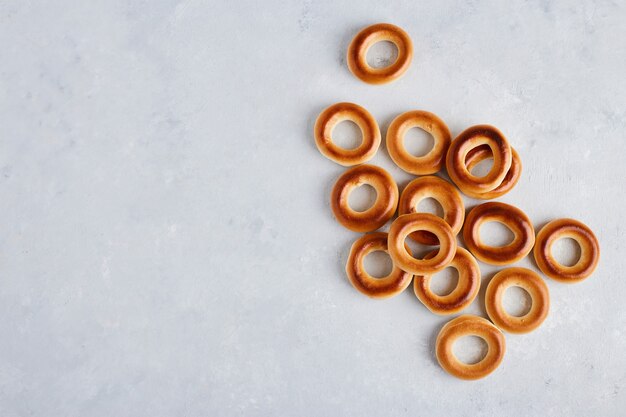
{"points": [[166, 243]]}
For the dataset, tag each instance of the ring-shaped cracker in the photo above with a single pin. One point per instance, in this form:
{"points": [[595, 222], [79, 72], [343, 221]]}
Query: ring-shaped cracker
{"points": [[477, 155], [527, 280], [383, 208], [357, 53], [468, 325], [405, 225], [444, 193], [573, 229], [384, 287], [427, 164], [472, 138], [337, 113], [511, 217], [461, 296]]}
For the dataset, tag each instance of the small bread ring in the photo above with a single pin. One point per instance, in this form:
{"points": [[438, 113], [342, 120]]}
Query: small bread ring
{"points": [[477, 155], [357, 53], [472, 138], [533, 284], [573, 229], [403, 226], [511, 217], [331, 117], [374, 217], [392, 284], [463, 294], [468, 325], [444, 193], [434, 160]]}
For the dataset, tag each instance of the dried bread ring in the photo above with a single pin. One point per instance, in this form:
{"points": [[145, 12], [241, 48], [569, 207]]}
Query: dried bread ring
{"points": [[385, 287], [331, 117], [404, 225], [472, 138], [510, 216], [589, 250], [477, 155], [461, 296], [374, 217], [427, 164], [468, 325], [444, 193], [529, 281], [357, 53]]}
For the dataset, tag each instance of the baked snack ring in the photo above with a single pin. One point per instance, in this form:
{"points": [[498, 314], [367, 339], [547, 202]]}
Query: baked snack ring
{"points": [[331, 117], [461, 296], [374, 217], [357, 53], [441, 191], [427, 164], [511, 217], [472, 138], [468, 325], [477, 155], [573, 229], [529, 281], [385, 287], [403, 226]]}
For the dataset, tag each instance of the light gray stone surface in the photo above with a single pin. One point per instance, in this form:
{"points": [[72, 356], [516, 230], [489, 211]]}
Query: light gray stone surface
{"points": [[166, 243]]}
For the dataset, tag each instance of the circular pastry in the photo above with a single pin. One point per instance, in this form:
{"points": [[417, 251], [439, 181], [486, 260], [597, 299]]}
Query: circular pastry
{"points": [[589, 250], [472, 138], [357, 53], [403, 226], [463, 294], [374, 217], [434, 160], [477, 155], [444, 193], [331, 117], [468, 325], [385, 287], [533, 284], [511, 217]]}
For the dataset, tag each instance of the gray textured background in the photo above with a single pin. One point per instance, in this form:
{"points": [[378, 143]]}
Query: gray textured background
{"points": [[166, 244]]}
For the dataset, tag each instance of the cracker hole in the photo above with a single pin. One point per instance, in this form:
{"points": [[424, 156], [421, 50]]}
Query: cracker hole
{"points": [[470, 349], [378, 264], [382, 54], [444, 282], [362, 197], [418, 250], [516, 301], [418, 142], [347, 134], [482, 168], [496, 234], [430, 205], [566, 251]]}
